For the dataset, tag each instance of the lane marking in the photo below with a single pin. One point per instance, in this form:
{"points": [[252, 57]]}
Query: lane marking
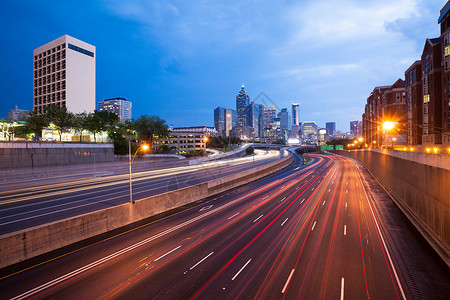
{"points": [[168, 253], [258, 218], [287, 281], [302, 201], [323, 203], [201, 261], [346, 191], [314, 225], [329, 190], [312, 189], [345, 229], [239, 272], [284, 221], [206, 208], [297, 188], [283, 199], [282, 187], [345, 205], [265, 197], [342, 288], [233, 216]]}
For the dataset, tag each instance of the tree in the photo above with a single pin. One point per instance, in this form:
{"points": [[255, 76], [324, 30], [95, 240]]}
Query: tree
{"points": [[108, 119], [94, 124], [150, 127], [79, 123], [61, 119], [35, 123]]}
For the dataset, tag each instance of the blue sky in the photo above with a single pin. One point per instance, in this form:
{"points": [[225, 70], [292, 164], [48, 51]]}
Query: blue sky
{"points": [[181, 59]]}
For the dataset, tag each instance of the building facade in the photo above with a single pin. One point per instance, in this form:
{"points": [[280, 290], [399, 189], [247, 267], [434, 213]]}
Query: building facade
{"points": [[432, 99], [444, 22], [270, 113], [414, 103], [331, 128], [64, 75], [295, 114], [242, 101], [120, 106], [205, 130], [17, 114]]}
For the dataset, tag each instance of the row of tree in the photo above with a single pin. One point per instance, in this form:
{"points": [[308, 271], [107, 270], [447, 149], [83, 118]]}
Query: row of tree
{"points": [[143, 129]]}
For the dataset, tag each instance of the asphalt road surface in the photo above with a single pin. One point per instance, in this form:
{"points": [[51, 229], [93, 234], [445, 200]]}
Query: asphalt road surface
{"points": [[27, 202], [308, 232]]}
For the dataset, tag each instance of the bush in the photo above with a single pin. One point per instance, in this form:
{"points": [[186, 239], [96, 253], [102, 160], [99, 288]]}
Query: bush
{"points": [[249, 151]]}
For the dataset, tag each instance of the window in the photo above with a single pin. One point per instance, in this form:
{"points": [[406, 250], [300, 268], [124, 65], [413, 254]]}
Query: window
{"points": [[81, 50]]}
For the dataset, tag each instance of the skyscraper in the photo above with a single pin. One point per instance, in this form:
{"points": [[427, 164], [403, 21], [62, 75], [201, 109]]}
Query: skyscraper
{"points": [[242, 101], [285, 120], [270, 113], [64, 74], [219, 120], [295, 114], [230, 120], [256, 117], [120, 106], [354, 128], [331, 128]]}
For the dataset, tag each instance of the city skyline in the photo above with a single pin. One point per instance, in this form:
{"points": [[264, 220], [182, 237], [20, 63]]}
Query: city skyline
{"points": [[159, 55]]}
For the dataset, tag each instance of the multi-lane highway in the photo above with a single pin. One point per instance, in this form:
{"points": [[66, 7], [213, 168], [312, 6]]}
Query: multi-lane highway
{"points": [[309, 232], [28, 202]]}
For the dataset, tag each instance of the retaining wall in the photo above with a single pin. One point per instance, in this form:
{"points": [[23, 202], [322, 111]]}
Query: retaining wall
{"points": [[420, 185], [36, 154], [18, 246]]}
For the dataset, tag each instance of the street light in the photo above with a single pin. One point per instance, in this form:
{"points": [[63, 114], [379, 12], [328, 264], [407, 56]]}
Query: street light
{"points": [[388, 125], [143, 147]]}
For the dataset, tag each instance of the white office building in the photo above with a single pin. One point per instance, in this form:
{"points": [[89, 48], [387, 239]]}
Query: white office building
{"points": [[64, 74], [120, 106]]}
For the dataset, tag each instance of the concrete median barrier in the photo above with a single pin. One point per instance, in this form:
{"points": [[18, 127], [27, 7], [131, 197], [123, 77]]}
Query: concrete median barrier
{"points": [[19, 246]]}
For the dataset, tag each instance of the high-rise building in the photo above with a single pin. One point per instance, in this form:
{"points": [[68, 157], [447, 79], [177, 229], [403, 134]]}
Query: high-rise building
{"points": [[331, 128], [354, 128], [295, 114], [256, 118], [64, 74], [120, 106], [309, 133], [230, 121], [17, 114], [270, 113], [285, 119], [242, 101], [219, 120]]}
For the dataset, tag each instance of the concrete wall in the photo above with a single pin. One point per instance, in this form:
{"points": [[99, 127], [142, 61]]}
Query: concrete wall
{"points": [[36, 154], [420, 185], [22, 245]]}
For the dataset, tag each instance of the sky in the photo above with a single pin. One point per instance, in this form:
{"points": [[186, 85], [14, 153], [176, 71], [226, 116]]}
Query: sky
{"points": [[180, 60]]}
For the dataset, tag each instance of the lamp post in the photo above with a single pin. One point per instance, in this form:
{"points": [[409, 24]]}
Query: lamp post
{"points": [[388, 125], [144, 147]]}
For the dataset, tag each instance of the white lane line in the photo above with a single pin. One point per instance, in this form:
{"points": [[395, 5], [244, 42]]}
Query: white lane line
{"points": [[283, 199], [287, 281], [233, 216], [168, 253], [201, 261], [282, 187], [312, 189], [296, 168], [265, 197], [332, 182], [314, 225], [345, 205], [323, 203], [239, 272], [346, 182], [297, 188], [258, 218], [329, 190], [302, 201], [346, 191], [284, 221], [345, 229], [319, 181], [342, 288]]}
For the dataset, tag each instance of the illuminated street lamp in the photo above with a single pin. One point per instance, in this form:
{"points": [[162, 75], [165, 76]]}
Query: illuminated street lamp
{"points": [[388, 125], [143, 147], [360, 139]]}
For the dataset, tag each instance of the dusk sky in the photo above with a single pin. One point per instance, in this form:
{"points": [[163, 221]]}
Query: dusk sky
{"points": [[181, 59]]}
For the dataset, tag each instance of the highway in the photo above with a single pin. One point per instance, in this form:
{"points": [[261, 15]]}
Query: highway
{"points": [[308, 232], [28, 202]]}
